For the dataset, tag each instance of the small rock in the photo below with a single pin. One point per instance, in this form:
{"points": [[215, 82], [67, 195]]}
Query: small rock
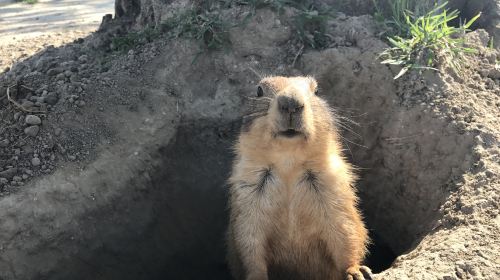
{"points": [[9, 173], [17, 178], [3, 181], [70, 157], [4, 143], [32, 130], [494, 73], [60, 77], [33, 120], [83, 58], [491, 57], [27, 104], [35, 161], [51, 98], [17, 115], [54, 71]]}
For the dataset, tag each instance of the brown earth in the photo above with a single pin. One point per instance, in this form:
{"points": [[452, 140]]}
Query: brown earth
{"points": [[133, 152]]}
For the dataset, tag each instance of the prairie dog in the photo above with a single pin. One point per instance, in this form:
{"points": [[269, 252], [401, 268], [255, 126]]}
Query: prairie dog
{"points": [[293, 209]]}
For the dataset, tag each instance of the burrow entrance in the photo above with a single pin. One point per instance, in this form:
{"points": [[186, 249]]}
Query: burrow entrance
{"points": [[175, 227], [403, 182]]}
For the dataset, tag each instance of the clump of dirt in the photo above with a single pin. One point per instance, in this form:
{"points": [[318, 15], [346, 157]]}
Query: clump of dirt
{"points": [[125, 176]]}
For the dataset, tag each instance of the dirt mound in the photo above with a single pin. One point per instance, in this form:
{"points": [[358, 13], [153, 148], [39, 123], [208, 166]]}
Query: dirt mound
{"points": [[137, 148]]}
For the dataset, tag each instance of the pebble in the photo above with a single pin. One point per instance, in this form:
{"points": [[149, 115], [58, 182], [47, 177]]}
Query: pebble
{"points": [[54, 71], [33, 120], [9, 173], [35, 161], [3, 181], [27, 104], [32, 130], [57, 131], [83, 58], [60, 77], [4, 143], [17, 115], [51, 98]]}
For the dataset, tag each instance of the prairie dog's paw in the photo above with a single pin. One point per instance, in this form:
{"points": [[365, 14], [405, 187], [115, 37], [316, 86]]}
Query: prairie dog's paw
{"points": [[257, 276], [357, 272]]}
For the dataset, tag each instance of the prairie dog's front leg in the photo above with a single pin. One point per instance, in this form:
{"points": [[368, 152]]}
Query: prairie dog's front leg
{"points": [[250, 240], [353, 250], [248, 230]]}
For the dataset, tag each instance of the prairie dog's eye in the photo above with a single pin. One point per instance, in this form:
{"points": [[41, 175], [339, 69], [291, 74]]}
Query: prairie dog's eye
{"points": [[260, 91], [316, 92]]}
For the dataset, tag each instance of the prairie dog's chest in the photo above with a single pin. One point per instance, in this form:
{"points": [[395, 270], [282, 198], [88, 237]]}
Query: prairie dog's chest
{"points": [[286, 188]]}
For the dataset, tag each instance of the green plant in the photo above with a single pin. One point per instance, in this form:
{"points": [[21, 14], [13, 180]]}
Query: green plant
{"points": [[31, 2], [310, 24], [132, 39], [430, 38], [206, 26], [491, 43], [309, 21], [392, 13]]}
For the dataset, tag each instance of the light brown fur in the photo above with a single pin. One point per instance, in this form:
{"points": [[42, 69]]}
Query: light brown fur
{"points": [[293, 208]]}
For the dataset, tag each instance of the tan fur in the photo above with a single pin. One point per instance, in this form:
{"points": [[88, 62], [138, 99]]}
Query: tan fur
{"points": [[292, 228]]}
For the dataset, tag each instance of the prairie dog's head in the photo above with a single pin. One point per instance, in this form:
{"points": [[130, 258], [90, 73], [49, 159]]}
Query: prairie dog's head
{"points": [[289, 108]]}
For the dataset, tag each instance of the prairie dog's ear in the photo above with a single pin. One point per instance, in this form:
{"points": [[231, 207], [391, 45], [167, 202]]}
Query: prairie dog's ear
{"points": [[313, 85]]}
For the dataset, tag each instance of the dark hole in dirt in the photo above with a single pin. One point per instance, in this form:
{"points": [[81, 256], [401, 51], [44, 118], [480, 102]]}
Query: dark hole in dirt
{"points": [[193, 222], [380, 256], [197, 165]]}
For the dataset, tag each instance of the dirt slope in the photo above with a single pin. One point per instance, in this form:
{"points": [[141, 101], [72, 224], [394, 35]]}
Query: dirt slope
{"points": [[124, 177]]}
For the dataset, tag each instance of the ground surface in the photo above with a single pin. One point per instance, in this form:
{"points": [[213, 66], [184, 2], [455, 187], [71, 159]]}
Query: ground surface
{"points": [[113, 165], [26, 29]]}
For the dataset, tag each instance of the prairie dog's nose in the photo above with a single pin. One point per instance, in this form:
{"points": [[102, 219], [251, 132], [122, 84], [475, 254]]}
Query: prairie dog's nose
{"points": [[289, 105]]}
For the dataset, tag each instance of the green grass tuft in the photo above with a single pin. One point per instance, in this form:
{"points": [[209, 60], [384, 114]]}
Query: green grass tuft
{"points": [[206, 26], [31, 2], [426, 39], [132, 39], [309, 22]]}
